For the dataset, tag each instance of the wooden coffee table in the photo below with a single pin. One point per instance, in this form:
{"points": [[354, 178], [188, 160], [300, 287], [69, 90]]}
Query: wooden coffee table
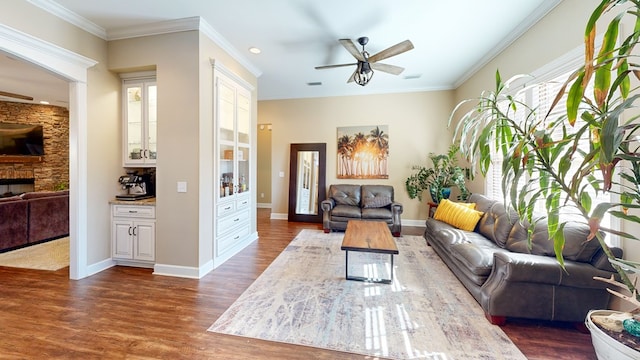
{"points": [[372, 237]]}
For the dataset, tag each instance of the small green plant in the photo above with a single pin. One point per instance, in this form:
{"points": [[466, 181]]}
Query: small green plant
{"points": [[60, 186], [438, 179]]}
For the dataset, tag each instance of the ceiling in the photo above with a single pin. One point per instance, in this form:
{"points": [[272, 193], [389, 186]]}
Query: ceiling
{"points": [[452, 39]]}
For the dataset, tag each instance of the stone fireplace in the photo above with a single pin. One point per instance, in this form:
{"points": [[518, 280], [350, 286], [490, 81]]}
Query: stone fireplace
{"points": [[11, 187], [48, 172]]}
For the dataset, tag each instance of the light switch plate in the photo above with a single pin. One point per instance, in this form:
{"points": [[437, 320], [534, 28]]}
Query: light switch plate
{"points": [[182, 186], [281, 173]]}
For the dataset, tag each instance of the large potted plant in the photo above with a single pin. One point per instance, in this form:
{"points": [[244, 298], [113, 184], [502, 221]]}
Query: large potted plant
{"points": [[548, 150], [438, 179]]}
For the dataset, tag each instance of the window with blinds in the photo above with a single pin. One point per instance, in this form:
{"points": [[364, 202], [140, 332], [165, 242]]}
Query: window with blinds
{"points": [[540, 97]]}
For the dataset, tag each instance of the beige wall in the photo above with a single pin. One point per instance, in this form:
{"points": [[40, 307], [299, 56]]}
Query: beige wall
{"points": [[264, 164], [103, 115], [184, 229], [417, 125]]}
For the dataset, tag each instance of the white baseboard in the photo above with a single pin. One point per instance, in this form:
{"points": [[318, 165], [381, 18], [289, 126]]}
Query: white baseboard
{"points": [[263, 205], [100, 266], [418, 223], [178, 271], [279, 216]]}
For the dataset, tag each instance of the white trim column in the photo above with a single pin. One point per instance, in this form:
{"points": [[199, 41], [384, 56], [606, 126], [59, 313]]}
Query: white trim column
{"points": [[72, 67]]}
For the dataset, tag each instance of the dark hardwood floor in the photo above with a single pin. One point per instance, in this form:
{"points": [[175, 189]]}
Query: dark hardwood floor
{"points": [[129, 313]]}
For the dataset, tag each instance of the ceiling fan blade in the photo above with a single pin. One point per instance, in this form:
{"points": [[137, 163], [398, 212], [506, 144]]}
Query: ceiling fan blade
{"points": [[351, 48], [15, 96], [391, 69], [396, 49], [333, 66], [353, 77]]}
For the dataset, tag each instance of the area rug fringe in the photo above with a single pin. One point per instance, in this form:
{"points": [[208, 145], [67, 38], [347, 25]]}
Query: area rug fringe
{"points": [[302, 298]]}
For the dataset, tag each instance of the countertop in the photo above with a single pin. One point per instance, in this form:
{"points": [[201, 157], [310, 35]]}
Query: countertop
{"points": [[144, 202]]}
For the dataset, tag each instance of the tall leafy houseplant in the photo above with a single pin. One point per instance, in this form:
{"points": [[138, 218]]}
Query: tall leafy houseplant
{"points": [[548, 150], [439, 178]]}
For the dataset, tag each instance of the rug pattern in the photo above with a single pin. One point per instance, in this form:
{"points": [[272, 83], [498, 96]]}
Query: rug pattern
{"points": [[302, 298]]}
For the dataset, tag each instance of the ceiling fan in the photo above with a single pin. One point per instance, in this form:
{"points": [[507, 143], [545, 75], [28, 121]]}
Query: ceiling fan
{"points": [[366, 64]]}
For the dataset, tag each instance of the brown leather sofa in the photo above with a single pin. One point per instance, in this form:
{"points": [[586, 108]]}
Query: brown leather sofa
{"points": [[509, 279], [360, 202], [32, 218]]}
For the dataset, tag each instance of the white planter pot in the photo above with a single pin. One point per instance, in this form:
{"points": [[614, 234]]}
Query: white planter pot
{"points": [[607, 348]]}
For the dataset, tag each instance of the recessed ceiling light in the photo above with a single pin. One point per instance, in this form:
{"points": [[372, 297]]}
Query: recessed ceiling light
{"points": [[44, 102], [254, 50]]}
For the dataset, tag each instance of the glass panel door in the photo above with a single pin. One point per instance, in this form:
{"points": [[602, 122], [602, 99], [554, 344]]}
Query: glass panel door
{"points": [[134, 128], [152, 137]]}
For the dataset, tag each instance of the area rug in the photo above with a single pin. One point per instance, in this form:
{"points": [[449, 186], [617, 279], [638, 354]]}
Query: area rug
{"points": [[303, 298], [52, 255]]}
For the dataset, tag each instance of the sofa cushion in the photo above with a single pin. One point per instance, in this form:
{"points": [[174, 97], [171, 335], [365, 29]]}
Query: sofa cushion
{"points": [[344, 194], [346, 211], [496, 223], [376, 202], [377, 213], [376, 196], [576, 246], [40, 194], [457, 215], [10, 198]]}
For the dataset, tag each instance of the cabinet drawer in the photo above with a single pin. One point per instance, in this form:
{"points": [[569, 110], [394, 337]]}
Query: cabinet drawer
{"points": [[227, 223], [226, 208], [229, 241], [242, 203], [133, 211]]}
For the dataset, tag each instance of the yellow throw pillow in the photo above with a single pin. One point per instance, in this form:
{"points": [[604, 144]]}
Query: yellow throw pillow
{"points": [[456, 214]]}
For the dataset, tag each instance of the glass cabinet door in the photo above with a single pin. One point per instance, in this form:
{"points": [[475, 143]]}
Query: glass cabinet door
{"points": [[133, 112], [244, 142], [233, 116], [140, 102], [152, 116]]}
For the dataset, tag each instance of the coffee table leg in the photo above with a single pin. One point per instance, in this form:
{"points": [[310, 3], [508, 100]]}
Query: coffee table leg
{"points": [[346, 271]]}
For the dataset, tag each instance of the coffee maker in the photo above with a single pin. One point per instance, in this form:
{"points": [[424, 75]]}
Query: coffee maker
{"points": [[136, 187]]}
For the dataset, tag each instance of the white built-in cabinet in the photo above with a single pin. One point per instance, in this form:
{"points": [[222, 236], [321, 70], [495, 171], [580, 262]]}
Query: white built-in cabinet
{"points": [[139, 115], [233, 192], [133, 234]]}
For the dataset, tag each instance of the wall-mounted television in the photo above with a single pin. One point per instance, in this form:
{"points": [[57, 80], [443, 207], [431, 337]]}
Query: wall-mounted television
{"points": [[21, 139]]}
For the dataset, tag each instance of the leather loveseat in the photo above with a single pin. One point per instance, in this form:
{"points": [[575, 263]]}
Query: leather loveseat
{"points": [[32, 218], [509, 279], [360, 202]]}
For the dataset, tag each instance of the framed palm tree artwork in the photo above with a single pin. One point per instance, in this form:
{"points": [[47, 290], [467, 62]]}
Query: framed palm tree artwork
{"points": [[363, 152]]}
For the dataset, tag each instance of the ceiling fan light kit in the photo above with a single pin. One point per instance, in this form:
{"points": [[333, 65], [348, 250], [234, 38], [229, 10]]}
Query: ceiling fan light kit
{"points": [[365, 63]]}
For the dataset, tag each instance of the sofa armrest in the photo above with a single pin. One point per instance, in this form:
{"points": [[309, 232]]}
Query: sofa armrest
{"points": [[327, 205], [396, 208], [601, 261], [528, 268]]}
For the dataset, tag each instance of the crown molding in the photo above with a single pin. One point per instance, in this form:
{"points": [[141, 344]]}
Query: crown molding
{"points": [[155, 28], [533, 19], [184, 24], [212, 34], [70, 17]]}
